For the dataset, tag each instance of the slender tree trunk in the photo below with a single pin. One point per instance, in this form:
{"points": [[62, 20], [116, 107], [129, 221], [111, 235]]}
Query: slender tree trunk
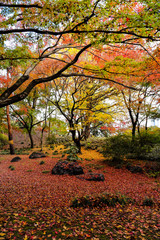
{"points": [[10, 136], [31, 138], [138, 128], [133, 130], [146, 124], [78, 145], [41, 144]]}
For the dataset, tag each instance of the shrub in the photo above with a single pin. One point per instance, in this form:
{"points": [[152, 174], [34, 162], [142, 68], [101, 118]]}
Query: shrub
{"points": [[143, 146], [11, 167], [42, 162], [148, 202], [94, 143], [46, 171], [51, 139], [152, 169], [134, 168], [117, 147], [154, 154], [72, 152], [64, 140], [100, 200], [55, 152], [3, 140]]}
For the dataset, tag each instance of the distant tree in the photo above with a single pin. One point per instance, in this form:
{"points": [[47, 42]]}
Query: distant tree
{"points": [[27, 112], [82, 103]]}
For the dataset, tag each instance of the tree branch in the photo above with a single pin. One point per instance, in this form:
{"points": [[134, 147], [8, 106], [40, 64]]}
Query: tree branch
{"points": [[10, 5], [99, 78], [4, 100], [131, 33]]}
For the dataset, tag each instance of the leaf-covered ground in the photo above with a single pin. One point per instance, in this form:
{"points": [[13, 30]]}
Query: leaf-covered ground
{"points": [[36, 205]]}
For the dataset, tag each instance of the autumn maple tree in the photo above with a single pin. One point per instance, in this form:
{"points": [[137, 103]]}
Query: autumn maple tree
{"points": [[49, 29], [83, 104]]}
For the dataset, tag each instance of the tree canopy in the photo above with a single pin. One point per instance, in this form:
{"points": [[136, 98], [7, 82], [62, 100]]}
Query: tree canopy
{"points": [[67, 32]]}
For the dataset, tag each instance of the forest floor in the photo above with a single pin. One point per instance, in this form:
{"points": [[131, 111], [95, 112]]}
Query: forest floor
{"points": [[34, 204]]}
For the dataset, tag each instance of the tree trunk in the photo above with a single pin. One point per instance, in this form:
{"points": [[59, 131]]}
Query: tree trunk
{"points": [[87, 132], [133, 130], [41, 144], [138, 128], [78, 145], [10, 136], [31, 138], [76, 140], [146, 124]]}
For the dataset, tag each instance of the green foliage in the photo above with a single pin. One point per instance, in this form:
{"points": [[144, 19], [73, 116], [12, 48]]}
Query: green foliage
{"points": [[65, 140], [94, 143], [101, 200], [144, 146], [55, 152], [11, 167], [51, 139], [117, 147], [42, 162], [46, 171], [72, 152], [3, 140], [20, 54], [154, 154], [58, 126]]}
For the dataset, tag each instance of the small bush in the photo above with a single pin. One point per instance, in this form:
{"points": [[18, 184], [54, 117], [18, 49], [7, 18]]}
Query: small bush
{"points": [[154, 154], [148, 202], [134, 168], [46, 171], [55, 152], [3, 140], [72, 152], [94, 143], [51, 139], [152, 169], [100, 200], [42, 162], [117, 147], [64, 140], [11, 167]]}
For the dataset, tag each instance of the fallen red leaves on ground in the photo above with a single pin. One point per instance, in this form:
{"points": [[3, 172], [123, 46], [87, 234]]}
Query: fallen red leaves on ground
{"points": [[31, 195]]}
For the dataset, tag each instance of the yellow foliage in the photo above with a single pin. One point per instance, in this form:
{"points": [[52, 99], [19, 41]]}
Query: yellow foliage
{"points": [[91, 154]]}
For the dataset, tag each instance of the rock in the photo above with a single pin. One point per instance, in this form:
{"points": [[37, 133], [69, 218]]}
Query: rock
{"points": [[16, 159], [93, 177], [134, 169], [66, 167], [37, 155]]}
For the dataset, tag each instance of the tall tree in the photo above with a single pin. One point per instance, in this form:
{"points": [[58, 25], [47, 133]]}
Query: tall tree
{"points": [[81, 103], [52, 28], [29, 113]]}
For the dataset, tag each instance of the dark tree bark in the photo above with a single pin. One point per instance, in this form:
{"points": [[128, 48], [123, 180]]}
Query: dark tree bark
{"points": [[10, 136], [31, 138]]}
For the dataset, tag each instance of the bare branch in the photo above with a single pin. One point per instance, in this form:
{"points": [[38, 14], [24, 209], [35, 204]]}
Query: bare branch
{"points": [[99, 78], [4, 100], [10, 5], [130, 33]]}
